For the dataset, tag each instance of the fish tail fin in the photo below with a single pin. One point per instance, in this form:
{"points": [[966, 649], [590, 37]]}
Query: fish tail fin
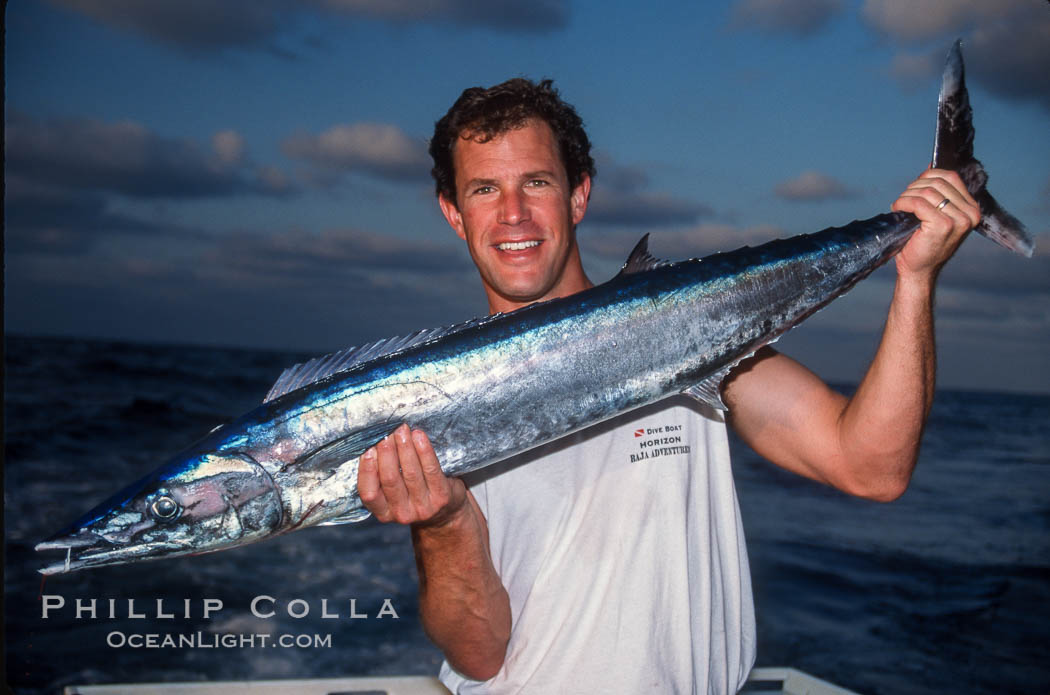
{"points": [[953, 149]]}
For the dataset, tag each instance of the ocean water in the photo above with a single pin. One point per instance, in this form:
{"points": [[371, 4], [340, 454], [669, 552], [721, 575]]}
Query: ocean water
{"points": [[945, 590]]}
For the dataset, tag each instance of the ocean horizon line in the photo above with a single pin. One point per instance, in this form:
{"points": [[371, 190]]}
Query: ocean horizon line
{"points": [[297, 354]]}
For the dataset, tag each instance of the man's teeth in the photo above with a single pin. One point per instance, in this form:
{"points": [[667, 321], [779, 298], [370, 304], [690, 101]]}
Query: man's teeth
{"points": [[517, 245]]}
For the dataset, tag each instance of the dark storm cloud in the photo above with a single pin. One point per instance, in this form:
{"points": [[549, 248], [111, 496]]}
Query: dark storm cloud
{"points": [[1012, 59], [208, 26], [619, 198], [43, 220], [129, 159], [191, 24], [983, 266], [505, 15], [283, 289], [813, 186], [377, 149], [800, 17], [1007, 43], [995, 312], [642, 210], [298, 256]]}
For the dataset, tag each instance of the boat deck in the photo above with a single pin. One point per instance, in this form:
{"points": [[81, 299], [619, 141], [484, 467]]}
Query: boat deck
{"points": [[763, 681]]}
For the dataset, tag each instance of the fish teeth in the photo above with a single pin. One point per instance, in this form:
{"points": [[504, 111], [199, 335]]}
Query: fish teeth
{"points": [[517, 245]]}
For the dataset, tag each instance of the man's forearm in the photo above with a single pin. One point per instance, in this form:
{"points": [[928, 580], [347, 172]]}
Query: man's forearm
{"points": [[866, 445], [881, 426], [464, 606]]}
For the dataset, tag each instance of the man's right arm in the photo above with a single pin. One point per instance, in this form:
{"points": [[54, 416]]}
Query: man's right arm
{"points": [[463, 605]]}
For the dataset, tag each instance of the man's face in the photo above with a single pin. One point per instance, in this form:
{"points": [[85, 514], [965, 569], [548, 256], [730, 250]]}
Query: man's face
{"points": [[517, 213]]}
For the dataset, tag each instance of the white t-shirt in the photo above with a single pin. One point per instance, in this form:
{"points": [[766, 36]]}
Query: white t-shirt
{"points": [[623, 553]]}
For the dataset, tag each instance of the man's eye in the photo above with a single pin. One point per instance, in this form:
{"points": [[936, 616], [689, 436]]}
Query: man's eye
{"points": [[483, 189], [536, 183]]}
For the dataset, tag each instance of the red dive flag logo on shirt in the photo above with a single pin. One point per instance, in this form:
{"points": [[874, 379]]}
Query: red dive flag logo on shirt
{"points": [[639, 433]]}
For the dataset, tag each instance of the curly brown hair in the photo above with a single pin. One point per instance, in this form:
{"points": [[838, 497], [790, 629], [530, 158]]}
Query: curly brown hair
{"points": [[482, 114]]}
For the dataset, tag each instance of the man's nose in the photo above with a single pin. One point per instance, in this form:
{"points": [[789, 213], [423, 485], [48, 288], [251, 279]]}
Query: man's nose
{"points": [[513, 208]]}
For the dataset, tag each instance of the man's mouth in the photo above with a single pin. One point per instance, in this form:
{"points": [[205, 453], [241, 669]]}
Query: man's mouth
{"points": [[517, 245]]}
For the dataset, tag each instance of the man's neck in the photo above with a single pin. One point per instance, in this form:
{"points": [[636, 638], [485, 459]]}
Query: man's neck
{"points": [[575, 280]]}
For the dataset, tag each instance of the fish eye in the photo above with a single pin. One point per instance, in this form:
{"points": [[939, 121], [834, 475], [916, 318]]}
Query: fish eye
{"points": [[164, 507]]}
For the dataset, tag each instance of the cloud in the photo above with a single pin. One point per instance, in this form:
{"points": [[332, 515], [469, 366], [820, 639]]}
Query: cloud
{"points": [[619, 199], [43, 220], [799, 17], [204, 26], [299, 255], [128, 159], [642, 210], [982, 266], [1012, 58], [281, 288], [506, 15], [812, 186], [373, 148], [190, 24], [969, 306], [676, 245], [937, 18], [229, 146], [916, 70], [1007, 42]]}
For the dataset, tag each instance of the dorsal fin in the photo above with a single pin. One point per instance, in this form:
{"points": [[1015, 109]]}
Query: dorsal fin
{"points": [[300, 375], [640, 259]]}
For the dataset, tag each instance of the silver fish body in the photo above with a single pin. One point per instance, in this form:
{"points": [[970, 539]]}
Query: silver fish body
{"points": [[503, 384], [512, 382]]}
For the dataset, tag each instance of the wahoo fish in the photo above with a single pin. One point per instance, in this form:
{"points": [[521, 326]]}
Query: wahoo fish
{"points": [[496, 386]]}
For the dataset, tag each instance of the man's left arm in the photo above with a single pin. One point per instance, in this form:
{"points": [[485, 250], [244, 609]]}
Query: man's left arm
{"points": [[866, 445]]}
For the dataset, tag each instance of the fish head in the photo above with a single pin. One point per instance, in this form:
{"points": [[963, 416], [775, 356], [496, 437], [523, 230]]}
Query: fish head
{"points": [[196, 504]]}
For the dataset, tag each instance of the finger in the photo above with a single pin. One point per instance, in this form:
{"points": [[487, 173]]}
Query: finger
{"points": [[947, 183], [943, 207], [954, 189], [368, 488], [436, 481], [949, 177], [962, 222], [938, 203], [411, 472], [933, 189], [925, 203], [390, 479]]}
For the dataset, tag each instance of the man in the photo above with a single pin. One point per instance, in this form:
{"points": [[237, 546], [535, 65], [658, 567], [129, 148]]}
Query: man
{"points": [[583, 571]]}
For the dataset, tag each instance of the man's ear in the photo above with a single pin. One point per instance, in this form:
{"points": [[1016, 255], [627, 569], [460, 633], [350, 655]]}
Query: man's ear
{"points": [[452, 214], [578, 201]]}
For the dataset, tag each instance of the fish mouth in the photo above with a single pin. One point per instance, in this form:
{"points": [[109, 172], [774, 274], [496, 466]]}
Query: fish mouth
{"points": [[85, 551]]}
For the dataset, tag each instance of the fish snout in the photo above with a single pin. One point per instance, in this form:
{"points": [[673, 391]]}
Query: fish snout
{"points": [[74, 545], [79, 541]]}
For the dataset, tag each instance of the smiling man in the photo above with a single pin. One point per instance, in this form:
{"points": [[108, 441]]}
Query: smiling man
{"points": [[516, 205], [613, 560]]}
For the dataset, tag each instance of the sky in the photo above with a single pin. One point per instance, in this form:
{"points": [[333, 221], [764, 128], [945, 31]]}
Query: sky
{"points": [[254, 173]]}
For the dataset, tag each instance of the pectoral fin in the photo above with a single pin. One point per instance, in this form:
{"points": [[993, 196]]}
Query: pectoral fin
{"points": [[709, 390], [348, 518], [338, 452]]}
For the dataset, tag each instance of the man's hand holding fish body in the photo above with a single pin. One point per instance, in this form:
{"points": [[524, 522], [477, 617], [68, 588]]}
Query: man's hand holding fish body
{"points": [[947, 212], [463, 604]]}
